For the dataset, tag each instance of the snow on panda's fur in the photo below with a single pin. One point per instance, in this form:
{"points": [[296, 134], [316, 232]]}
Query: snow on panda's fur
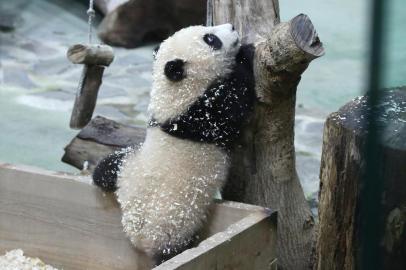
{"points": [[202, 90]]}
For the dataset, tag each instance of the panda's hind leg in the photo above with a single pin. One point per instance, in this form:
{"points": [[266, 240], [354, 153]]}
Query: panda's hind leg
{"points": [[172, 250], [106, 172]]}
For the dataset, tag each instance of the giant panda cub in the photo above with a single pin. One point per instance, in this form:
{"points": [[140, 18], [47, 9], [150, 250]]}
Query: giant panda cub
{"points": [[202, 91]]}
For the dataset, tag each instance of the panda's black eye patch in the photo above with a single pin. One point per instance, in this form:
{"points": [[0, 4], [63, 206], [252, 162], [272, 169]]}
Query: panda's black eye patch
{"points": [[213, 41], [174, 70]]}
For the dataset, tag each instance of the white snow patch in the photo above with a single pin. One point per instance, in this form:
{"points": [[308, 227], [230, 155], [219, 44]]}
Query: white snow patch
{"points": [[15, 260]]}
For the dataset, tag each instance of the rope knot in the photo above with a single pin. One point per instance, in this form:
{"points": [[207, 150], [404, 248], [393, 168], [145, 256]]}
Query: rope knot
{"points": [[90, 12]]}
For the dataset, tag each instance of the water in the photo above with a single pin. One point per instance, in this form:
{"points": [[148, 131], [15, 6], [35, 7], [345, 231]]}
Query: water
{"points": [[343, 26], [37, 83]]}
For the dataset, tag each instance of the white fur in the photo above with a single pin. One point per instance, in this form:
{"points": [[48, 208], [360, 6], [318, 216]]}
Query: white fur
{"points": [[166, 187], [203, 65]]}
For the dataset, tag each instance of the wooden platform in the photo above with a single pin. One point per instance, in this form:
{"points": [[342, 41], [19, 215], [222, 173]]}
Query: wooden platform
{"points": [[70, 224]]}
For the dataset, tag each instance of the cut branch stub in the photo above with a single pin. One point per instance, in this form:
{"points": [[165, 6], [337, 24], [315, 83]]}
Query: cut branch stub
{"points": [[94, 54], [285, 55], [305, 36]]}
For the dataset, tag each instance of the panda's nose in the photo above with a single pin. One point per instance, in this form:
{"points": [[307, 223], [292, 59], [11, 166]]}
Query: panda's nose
{"points": [[232, 28]]}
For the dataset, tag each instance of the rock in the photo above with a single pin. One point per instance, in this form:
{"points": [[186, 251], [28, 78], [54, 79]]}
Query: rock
{"points": [[106, 6], [9, 20], [136, 22]]}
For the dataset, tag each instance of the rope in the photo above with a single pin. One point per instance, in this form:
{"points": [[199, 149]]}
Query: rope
{"points": [[209, 13], [91, 13]]}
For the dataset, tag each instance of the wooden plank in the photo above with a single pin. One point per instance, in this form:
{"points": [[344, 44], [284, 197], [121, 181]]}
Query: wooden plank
{"points": [[70, 224], [245, 245]]}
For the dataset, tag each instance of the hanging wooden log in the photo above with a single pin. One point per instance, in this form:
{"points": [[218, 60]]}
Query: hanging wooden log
{"points": [[94, 54], [263, 168], [95, 57], [85, 100], [341, 173]]}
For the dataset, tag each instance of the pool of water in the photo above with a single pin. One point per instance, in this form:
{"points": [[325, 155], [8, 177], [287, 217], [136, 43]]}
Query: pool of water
{"points": [[343, 26], [38, 84]]}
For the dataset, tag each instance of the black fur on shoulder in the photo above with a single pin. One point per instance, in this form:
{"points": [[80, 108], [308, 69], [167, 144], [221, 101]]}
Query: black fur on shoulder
{"points": [[106, 171], [217, 116]]}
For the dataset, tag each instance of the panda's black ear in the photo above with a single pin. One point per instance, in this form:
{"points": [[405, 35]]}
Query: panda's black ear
{"points": [[174, 70]]}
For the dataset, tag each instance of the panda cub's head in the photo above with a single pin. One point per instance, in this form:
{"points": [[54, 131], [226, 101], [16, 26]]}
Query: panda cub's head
{"points": [[187, 63]]}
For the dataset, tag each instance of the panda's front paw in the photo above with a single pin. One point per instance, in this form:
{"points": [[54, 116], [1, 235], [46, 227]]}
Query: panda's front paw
{"points": [[106, 172]]}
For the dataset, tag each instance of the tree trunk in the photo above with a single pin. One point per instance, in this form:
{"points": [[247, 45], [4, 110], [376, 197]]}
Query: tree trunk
{"points": [[341, 173], [135, 22], [263, 169]]}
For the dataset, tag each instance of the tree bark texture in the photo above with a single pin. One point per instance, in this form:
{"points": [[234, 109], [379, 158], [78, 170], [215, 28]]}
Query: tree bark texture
{"points": [[341, 173], [263, 169]]}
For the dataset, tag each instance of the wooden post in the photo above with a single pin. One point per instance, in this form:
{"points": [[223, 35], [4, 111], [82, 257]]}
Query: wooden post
{"points": [[342, 168], [263, 170]]}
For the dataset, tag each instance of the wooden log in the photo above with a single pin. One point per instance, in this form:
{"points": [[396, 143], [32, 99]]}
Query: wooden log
{"points": [[263, 168], [98, 139], [85, 100], [94, 54], [341, 173]]}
